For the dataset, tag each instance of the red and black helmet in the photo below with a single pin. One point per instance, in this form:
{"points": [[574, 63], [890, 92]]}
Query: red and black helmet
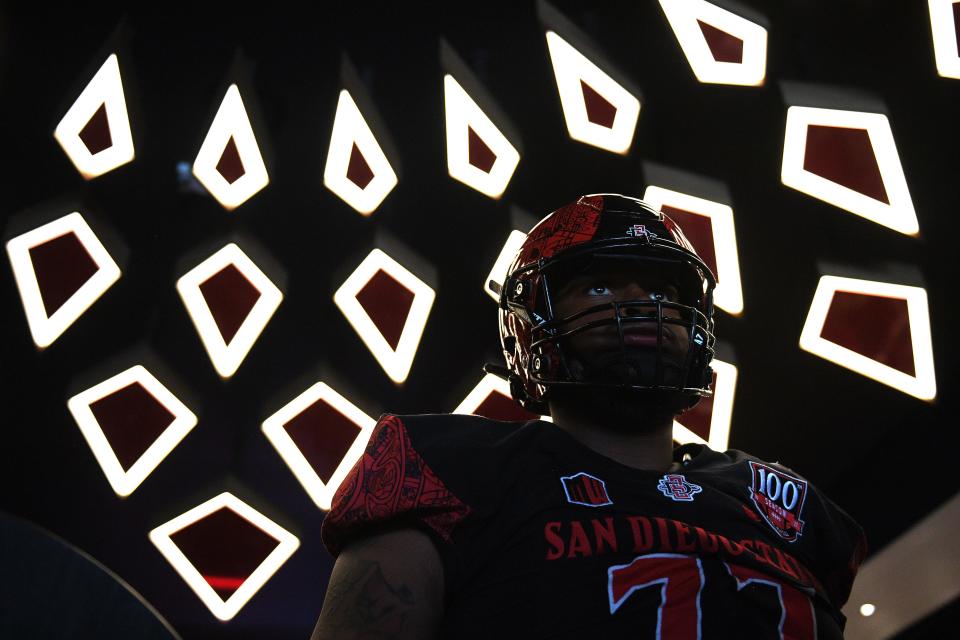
{"points": [[534, 339]]}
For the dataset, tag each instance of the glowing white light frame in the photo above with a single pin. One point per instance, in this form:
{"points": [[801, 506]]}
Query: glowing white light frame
{"points": [[106, 87], [45, 329], [227, 358], [683, 15], [924, 384], [899, 215], [231, 121], [349, 127], [395, 363], [729, 292], [502, 263], [723, 393], [460, 112], [487, 385], [944, 38], [569, 67], [273, 427], [224, 609], [125, 482]]}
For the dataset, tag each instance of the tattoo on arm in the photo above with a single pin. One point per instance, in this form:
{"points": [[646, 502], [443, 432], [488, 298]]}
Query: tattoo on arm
{"points": [[364, 603]]}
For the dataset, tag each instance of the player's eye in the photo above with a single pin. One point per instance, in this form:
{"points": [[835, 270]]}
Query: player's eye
{"points": [[598, 290], [664, 294]]}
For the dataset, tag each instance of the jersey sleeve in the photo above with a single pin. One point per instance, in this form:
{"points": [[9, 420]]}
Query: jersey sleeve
{"points": [[841, 548], [851, 547], [391, 486]]}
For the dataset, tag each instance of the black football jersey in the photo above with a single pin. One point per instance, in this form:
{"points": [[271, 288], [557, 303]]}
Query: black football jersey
{"points": [[542, 537]]}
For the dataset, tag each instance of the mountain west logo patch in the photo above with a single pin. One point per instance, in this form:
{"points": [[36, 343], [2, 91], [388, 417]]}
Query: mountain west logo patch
{"points": [[583, 488], [676, 487], [779, 497]]}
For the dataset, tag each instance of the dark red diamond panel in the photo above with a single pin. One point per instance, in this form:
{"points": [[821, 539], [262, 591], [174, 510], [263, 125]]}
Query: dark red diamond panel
{"points": [[95, 135], [874, 326], [225, 548], [846, 157], [323, 435], [230, 166], [480, 155], [132, 420], [230, 297], [62, 265], [388, 303]]}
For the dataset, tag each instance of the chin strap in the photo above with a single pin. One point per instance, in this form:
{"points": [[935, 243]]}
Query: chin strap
{"points": [[497, 369]]}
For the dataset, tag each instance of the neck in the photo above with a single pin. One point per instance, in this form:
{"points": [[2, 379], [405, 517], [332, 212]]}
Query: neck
{"points": [[632, 433]]}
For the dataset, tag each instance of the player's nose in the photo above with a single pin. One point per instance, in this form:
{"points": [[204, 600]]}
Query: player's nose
{"points": [[635, 293]]}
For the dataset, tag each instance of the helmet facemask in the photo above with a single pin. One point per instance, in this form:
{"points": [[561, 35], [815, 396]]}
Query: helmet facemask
{"points": [[649, 347]]}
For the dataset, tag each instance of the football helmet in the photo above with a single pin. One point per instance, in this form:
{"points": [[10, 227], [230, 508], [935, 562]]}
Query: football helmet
{"points": [[539, 344]]}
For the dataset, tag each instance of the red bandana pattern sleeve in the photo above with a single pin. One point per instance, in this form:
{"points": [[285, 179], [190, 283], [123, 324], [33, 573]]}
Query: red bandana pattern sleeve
{"points": [[390, 484]]}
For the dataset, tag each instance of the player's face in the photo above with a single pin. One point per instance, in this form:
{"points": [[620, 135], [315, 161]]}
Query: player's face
{"points": [[597, 352]]}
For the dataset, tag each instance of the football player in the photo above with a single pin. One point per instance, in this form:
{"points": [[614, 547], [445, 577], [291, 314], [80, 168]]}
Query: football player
{"points": [[592, 525]]}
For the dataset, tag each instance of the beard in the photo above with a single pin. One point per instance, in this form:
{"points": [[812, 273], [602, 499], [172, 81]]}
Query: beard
{"points": [[630, 407], [628, 411], [630, 366]]}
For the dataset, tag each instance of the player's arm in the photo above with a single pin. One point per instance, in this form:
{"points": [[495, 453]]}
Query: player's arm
{"points": [[387, 585]]}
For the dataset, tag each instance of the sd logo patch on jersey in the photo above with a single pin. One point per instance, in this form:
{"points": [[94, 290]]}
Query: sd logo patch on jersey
{"points": [[779, 498]]}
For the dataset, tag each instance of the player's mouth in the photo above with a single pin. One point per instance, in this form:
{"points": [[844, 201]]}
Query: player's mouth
{"points": [[645, 335]]}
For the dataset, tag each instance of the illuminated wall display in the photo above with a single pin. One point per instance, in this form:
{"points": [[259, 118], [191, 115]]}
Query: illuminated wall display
{"points": [[945, 27], [502, 263], [320, 435], [225, 551], [721, 47], [61, 268], [95, 131], [387, 306], [131, 422], [709, 227], [597, 109], [478, 154], [878, 329], [849, 159], [491, 399], [709, 422], [230, 302], [357, 169], [229, 163]]}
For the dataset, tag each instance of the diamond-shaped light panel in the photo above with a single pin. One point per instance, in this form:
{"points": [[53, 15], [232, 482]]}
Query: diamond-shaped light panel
{"points": [[320, 435], [499, 271], [387, 306], [849, 159], [478, 154], [721, 47], [709, 422], [877, 329], [230, 302], [357, 169], [61, 268], [598, 110], [945, 26], [229, 163], [225, 551], [709, 227], [131, 422], [95, 131], [491, 399]]}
